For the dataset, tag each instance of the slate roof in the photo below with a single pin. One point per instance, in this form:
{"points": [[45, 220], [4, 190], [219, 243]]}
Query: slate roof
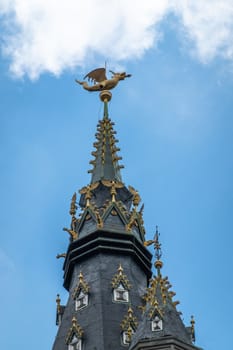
{"points": [[159, 302]]}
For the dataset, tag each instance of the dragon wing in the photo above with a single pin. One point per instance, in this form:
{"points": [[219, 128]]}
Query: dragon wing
{"points": [[97, 75], [73, 200]]}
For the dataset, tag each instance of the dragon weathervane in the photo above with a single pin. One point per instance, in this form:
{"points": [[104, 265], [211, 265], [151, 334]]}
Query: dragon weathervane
{"points": [[100, 81]]}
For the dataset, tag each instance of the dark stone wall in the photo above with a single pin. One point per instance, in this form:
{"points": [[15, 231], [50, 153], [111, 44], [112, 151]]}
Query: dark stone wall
{"points": [[101, 319]]}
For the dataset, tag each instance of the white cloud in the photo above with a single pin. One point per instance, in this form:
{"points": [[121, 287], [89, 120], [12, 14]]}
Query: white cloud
{"points": [[49, 35], [209, 26]]}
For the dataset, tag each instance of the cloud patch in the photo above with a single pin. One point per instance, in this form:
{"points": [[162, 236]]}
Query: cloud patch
{"points": [[52, 36]]}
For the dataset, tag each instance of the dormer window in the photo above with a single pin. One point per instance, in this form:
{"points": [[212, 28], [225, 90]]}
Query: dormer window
{"points": [[81, 293], [81, 300], [121, 286], [127, 336], [120, 294], [157, 324], [128, 326], [75, 344], [74, 336]]}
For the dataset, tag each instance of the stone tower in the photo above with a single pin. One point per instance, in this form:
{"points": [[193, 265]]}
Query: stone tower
{"points": [[113, 303]]}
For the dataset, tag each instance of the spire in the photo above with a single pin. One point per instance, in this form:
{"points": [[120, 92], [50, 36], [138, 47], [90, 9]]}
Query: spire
{"points": [[105, 162], [160, 317]]}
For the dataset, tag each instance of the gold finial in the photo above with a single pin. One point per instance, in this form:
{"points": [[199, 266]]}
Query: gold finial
{"points": [[87, 190], [129, 333], [158, 252], [74, 321], [73, 205], [72, 232], [157, 247], [136, 196], [113, 193], [130, 312], [105, 96], [192, 328], [120, 269], [58, 300], [164, 298], [113, 185], [88, 196]]}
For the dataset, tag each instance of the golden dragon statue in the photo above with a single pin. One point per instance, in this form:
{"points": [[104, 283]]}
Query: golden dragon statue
{"points": [[100, 81]]}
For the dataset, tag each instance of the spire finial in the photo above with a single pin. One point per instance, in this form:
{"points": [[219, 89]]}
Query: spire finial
{"points": [[74, 321], [158, 251], [120, 269], [58, 300], [80, 276], [192, 321], [157, 247]]}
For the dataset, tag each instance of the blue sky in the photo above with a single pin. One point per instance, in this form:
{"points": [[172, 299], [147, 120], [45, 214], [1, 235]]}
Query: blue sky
{"points": [[174, 124]]}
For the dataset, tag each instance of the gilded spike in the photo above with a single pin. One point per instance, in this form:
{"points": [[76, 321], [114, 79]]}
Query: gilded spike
{"points": [[73, 205], [115, 159], [73, 234], [63, 255], [175, 303], [94, 153]]}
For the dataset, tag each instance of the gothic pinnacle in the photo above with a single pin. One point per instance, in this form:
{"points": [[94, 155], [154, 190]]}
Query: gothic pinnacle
{"points": [[105, 162]]}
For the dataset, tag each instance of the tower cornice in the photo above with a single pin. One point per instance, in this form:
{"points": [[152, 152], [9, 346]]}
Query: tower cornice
{"points": [[108, 242]]}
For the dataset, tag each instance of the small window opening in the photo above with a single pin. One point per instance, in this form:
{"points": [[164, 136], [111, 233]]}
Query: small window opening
{"points": [[157, 324], [120, 294], [81, 301]]}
